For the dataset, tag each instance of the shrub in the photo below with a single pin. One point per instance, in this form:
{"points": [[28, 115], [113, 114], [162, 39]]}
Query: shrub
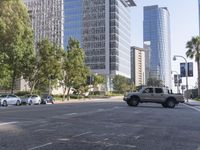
{"points": [[22, 93]]}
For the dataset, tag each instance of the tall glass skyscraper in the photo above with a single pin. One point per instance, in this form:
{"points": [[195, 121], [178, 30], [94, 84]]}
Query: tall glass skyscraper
{"points": [[73, 20], [157, 37], [106, 36], [102, 27], [199, 15]]}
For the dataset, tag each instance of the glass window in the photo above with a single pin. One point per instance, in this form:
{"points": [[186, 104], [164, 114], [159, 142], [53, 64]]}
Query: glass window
{"points": [[148, 90], [13, 96], [158, 90]]}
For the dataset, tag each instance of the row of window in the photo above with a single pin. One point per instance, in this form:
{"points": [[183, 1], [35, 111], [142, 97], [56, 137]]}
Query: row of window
{"points": [[97, 66], [94, 52], [94, 2], [93, 45], [94, 16], [94, 37], [95, 59], [95, 23], [94, 30]]}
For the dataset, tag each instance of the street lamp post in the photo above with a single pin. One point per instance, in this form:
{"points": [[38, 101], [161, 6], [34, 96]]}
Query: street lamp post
{"points": [[186, 74], [178, 80]]}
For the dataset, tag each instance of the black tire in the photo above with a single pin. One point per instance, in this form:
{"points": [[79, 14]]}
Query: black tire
{"points": [[5, 104], [17, 103], [30, 103], [134, 101], [171, 103], [164, 105], [39, 102]]}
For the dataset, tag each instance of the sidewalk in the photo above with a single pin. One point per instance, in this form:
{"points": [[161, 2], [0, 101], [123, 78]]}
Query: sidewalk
{"points": [[192, 102], [114, 98]]}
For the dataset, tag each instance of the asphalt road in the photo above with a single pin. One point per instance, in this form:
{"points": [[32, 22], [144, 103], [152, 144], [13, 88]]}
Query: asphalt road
{"points": [[100, 125]]}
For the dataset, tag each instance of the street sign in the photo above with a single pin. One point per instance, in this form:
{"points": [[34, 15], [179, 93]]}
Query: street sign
{"points": [[190, 69], [175, 79], [182, 70]]}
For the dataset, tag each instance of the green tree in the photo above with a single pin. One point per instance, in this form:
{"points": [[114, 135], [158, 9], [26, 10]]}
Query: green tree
{"points": [[193, 51], [98, 79], [74, 70], [154, 82], [43, 70], [121, 83], [16, 36]]}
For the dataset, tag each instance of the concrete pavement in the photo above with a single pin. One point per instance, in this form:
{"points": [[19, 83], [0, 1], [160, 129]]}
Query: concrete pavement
{"points": [[192, 102], [99, 125]]}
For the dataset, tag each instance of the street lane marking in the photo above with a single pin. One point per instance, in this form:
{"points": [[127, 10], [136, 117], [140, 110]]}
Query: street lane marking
{"points": [[63, 139], [7, 123], [71, 114], [108, 144], [47, 130], [81, 134], [192, 107], [40, 146]]}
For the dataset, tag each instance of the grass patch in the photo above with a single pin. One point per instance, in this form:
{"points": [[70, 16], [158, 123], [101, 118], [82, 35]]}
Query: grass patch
{"points": [[197, 99]]}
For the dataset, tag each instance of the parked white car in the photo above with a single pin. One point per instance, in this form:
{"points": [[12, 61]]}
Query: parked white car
{"points": [[9, 99], [31, 99]]}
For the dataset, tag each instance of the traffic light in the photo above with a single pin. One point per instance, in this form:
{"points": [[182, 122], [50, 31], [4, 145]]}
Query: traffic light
{"points": [[90, 80]]}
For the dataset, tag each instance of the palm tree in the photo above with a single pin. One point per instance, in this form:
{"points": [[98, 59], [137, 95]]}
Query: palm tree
{"points": [[193, 47]]}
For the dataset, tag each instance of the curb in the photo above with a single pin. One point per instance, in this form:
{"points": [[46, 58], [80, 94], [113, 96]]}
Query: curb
{"points": [[190, 104]]}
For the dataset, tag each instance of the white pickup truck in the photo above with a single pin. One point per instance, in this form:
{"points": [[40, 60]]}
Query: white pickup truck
{"points": [[159, 95]]}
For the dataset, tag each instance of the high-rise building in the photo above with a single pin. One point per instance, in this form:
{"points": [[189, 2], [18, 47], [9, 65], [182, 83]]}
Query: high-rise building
{"points": [[138, 65], [199, 15], [102, 26], [106, 36], [157, 38], [47, 19]]}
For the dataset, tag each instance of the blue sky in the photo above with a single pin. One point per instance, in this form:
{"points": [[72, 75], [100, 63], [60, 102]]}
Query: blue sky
{"points": [[184, 25]]}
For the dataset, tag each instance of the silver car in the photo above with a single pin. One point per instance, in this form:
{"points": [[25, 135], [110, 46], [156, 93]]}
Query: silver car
{"points": [[9, 99], [31, 99]]}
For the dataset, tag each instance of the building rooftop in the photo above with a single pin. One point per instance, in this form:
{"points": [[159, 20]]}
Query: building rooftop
{"points": [[128, 3]]}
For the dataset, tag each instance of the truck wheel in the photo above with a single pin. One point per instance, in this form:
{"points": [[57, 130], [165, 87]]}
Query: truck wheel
{"points": [[164, 105], [134, 101], [171, 103]]}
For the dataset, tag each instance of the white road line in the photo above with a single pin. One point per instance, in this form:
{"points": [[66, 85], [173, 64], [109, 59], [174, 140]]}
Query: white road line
{"points": [[108, 144], [63, 139], [71, 114], [192, 107], [7, 123], [40, 146], [81, 134]]}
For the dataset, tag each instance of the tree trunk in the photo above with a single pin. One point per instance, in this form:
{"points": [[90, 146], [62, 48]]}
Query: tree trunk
{"points": [[68, 96], [198, 69], [32, 88], [78, 95], [64, 91], [13, 83]]}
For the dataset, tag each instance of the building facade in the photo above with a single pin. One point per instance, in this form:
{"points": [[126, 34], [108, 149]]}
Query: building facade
{"points": [[156, 27], [199, 15], [106, 37], [138, 66], [47, 19], [102, 27]]}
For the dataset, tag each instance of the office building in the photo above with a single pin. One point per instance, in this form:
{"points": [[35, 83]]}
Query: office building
{"points": [[47, 19], [102, 27], [138, 65], [199, 15], [157, 39]]}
